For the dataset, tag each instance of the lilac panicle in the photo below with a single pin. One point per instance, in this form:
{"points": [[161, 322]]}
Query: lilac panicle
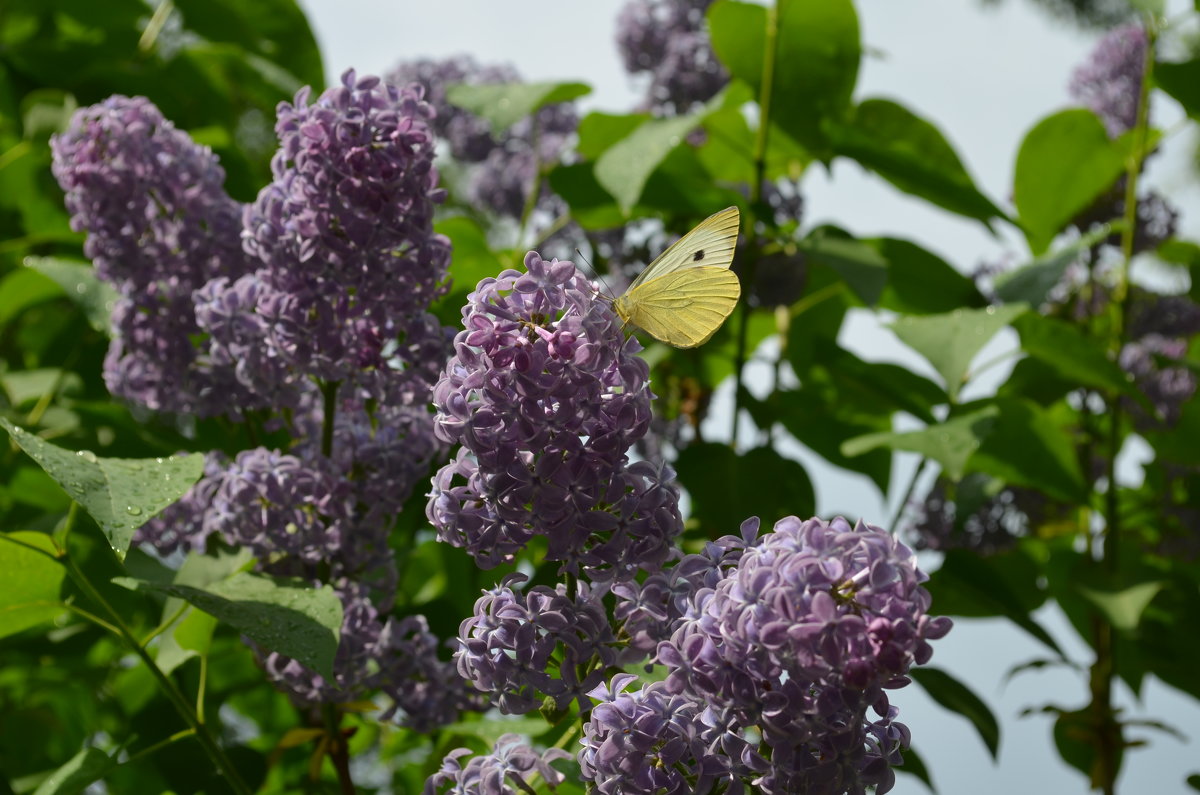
{"points": [[511, 769], [668, 39], [1110, 82], [344, 235], [546, 395], [779, 653], [159, 225]]}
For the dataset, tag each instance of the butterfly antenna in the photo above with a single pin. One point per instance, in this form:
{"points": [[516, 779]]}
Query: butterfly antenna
{"points": [[610, 297]]}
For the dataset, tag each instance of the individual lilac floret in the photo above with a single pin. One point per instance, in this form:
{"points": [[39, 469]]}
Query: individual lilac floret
{"points": [[521, 648], [159, 225], [512, 768], [1110, 82], [546, 395], [669, 40], [350, 263]]}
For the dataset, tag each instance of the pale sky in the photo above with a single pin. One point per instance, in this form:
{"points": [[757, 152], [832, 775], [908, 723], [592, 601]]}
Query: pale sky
{"points": [[985, 76]]}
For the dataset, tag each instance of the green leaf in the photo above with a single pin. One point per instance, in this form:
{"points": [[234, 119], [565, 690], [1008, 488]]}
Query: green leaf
{"points": [[191, 635], [951, 444], [78, 280], [282, 615], [921, 283], [858, 263], [32, 582], [121, 494], [1179, 252], [625, 167], [85, 768], [598, 131], [725, 487], [912, 154], [820, 422], [1030, 283], [950, 341], [1182, 81], [1123, 608], [27, 386], [1177, 445], [955, 696], [1064, 164], [1028, 446], [592, 207], [1074, 354], [817, 52], [914, 765], [505, 104], [21, 289]]}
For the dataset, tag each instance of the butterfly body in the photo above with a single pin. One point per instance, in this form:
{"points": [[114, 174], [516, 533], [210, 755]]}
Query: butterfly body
{"points": [[684, 296]]}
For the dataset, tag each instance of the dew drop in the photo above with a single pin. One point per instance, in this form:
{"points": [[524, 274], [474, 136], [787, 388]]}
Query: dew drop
{"points": [[133, 510]]}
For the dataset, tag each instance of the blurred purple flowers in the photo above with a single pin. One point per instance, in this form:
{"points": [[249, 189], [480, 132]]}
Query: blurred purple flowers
{"points": [[668, 40], [1110, 82]]}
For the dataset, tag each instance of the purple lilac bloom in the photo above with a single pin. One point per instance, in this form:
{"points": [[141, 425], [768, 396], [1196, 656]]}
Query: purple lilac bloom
{"points": [[521, 648], [1110, 82], [159, 226], [668, 39], [786, 645], [512, 768], [345, 237], [546, 395], [1166, 386]]}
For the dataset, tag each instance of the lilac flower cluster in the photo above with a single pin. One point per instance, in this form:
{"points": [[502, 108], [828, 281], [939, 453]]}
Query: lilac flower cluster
{"points": [[546, 395], [948, 517], [159, 225], [313, 301], [512, 768], [515, 643], [1110, 82], [779, 653], [349, 260], [507, 165], [668, 40]]}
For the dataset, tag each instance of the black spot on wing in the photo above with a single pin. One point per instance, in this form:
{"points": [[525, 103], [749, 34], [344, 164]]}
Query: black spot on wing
{"points": [[699, 255]]}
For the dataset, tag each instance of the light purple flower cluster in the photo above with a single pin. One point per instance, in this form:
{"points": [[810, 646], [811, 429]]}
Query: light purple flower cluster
{"points": [[159, 225], [784, 648], [512, 768], [1160, 330], [521, 648], [507, 165], [546, 395], [668, 40], [1110, 82], [994, 522], [349, 260]]}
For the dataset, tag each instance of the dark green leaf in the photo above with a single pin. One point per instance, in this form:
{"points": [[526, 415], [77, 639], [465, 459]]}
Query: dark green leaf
{"points": [[22, 289], [857, 262], [1076, 740], [121, 494], [1182, 81], [282, 615], [1075, 355], [191, 634], [950, 341], [1179, 252], [1178, 443], [817, 51], [32, 582], [85, 768], [1065, 163], [951, 444], [921, 283], [78, 280], [915, 766], [592, 207], [912, 154], [1029, 446], [505, 104], [821, 423], [724, 487], [955, 696], [598, 131]]}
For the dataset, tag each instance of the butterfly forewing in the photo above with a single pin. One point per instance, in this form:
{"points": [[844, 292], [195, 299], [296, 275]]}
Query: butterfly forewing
{"points": [[682, 308], [710, 244]]}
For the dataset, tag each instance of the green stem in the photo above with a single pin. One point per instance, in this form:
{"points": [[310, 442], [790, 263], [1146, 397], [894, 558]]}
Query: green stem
{"points": [[214, 751], [750, 261], [147, 751], [339, 753], [154, 633], [329, 391], [908, 492]]}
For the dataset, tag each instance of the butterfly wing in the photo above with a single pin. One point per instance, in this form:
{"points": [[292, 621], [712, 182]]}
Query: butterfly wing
{"points": [[710, 244], [683, 308]]}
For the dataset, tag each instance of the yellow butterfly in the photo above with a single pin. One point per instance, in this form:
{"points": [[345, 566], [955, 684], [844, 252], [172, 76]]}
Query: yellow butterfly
{"points": [[684, 296]]}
